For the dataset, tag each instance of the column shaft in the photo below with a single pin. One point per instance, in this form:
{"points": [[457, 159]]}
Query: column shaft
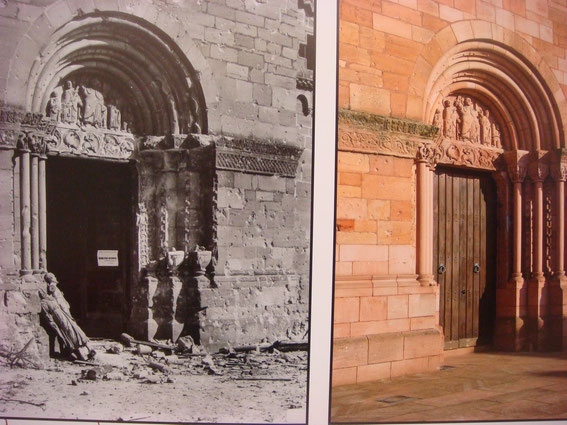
{"points": [[25, 213], [34, 197], [42, 215], [517, 248]]}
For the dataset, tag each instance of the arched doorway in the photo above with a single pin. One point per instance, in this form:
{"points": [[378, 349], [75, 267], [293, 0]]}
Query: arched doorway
{"points": [[508, 128], [110, 85]]}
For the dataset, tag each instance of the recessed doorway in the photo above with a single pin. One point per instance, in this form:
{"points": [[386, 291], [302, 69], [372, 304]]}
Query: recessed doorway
{"points": [[89, 239], [465, 255]]}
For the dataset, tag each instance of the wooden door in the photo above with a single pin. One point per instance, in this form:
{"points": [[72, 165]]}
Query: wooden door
{"points": [[465, 255]]}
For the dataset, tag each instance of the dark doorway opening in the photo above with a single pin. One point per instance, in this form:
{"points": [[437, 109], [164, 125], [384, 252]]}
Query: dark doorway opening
{"points": [[465, 255], [89, 237]]}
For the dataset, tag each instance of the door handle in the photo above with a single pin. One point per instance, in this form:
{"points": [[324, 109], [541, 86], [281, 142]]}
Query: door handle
{"points": [[463, 291], [441, 269], [476, 268]]}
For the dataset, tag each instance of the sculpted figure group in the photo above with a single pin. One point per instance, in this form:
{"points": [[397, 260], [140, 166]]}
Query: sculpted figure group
{"points": [[84, 105], [462, 119]]}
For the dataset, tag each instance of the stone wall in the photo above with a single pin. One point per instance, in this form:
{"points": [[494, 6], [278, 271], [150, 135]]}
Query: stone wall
{"points": [[240, 70], [382, 315], [395, 64]]}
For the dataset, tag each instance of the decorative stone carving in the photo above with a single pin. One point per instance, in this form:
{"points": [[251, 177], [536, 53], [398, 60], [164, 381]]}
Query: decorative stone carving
{"points": [[256, 157], [199, 259], [84, 105], [96, 143], [538, 169], [465, 154], [143, 230], [559, 165], [386, 124], [462, 119], [517, 165], [163, 226], [386, 143], [70, 104]]}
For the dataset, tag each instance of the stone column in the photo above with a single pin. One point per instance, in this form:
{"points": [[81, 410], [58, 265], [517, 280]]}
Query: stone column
{"points": [[538, 171], [42, 214], [34, 197], [511, 296], [424, 216], [558, 285], [25, 214]]}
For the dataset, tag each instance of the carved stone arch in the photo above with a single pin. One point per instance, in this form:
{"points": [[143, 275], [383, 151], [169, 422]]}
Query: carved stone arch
{"points": [[147, 63], [485, 60]]}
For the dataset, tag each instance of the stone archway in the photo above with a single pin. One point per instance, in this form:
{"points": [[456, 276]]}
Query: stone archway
{"points": [[512, 127]]}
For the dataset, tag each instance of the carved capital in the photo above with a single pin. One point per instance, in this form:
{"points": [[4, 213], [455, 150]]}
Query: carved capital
{"points": [[559, 165], [516, 165], [425, 152], [538, 168]]}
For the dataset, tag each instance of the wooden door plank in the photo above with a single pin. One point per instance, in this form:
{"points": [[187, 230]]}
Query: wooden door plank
{"points": [[447, 294], [470, 257], [455, 275], [477, 259], [462, 257]]}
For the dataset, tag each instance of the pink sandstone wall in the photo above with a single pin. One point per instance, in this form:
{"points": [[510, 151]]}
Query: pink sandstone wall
{"points": [[385, 323]]}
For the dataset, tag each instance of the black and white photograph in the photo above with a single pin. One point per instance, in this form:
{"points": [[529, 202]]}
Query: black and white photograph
{"points": [[156, 163]]}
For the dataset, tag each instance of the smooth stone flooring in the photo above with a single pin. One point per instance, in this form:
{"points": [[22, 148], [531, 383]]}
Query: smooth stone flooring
{"points": [[471, 387]]}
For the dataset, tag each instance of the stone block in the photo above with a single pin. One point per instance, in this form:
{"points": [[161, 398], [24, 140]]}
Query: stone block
{"points": [[346, 310], [379, 327], [410, 367], [353, 162], [363, 253], [350, 179], [252, 60], [398, 306], [391, 26], [395, 233], [373, 308], [418, 323], [385, 348], [230, 198], [379, 209], [422, 305], [370, 99], [262, 94], [352, 208], [237, 71], [401, 259], [350, 352], [382, 165], [344, 376], [373, 372], [369, 267], [341, 330], [427, 342], [387, 187], [401, 210]]}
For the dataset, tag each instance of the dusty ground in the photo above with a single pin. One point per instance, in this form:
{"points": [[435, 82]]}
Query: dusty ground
{"points": [[243, 387]]}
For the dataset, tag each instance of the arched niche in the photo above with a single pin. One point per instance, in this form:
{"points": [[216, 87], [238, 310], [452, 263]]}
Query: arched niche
{"points": [[133, 64]]}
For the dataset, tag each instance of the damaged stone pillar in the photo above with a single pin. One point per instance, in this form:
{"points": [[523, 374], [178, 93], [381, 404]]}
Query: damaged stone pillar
{"points": [[538, 171], [34, 197], [25, 214], [511, 297], [42, 201], [558, 285]]}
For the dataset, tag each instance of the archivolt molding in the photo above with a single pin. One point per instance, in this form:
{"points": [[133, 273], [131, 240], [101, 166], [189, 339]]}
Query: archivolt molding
{"points": [[501, 70], [128, 50]]}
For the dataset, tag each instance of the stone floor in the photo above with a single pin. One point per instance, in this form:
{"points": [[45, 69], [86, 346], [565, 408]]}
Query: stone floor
{"points": [[470, 387]]}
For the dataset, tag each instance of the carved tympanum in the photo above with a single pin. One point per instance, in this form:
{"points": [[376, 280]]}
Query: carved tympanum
{"points": [[462, 119]]}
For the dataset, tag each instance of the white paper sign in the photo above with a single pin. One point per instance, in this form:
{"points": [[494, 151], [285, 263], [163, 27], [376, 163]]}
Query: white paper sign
{"points": [[107, 257]]}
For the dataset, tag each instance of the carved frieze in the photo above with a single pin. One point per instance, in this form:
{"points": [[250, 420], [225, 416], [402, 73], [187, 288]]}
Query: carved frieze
{"points": [[377, 142], [97, 143], [256, 157], [465, 155], [143, 236], [380, 123]]}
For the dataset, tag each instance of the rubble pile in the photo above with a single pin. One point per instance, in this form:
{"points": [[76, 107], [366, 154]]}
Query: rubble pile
{"points": [[159, 362]]}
